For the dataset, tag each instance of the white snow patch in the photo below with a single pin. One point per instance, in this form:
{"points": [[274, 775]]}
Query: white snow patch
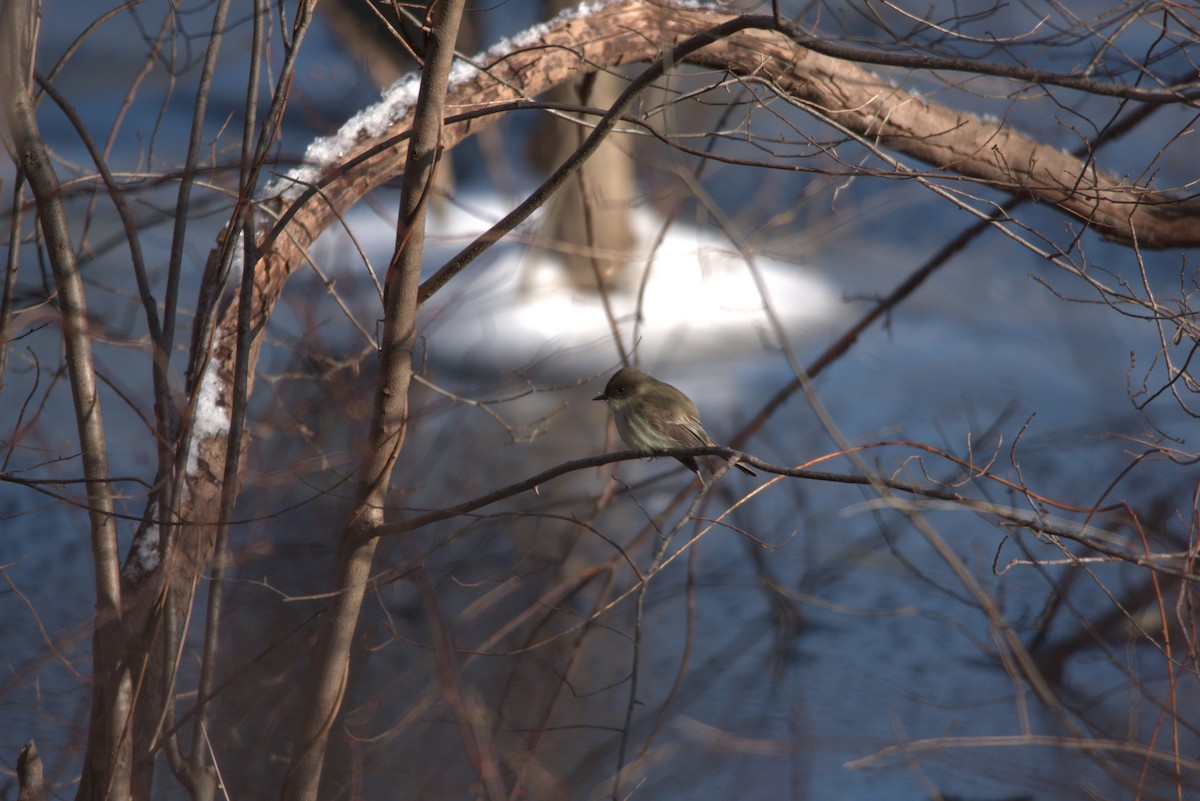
{"points": [[211, 419], [700, 298], [518, 304], [145, 557], [533, 35], [327, 150], [237, 260], [371, 122]]}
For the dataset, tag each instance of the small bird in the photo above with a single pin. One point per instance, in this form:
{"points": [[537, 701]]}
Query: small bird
{"points": [[652, 415]]}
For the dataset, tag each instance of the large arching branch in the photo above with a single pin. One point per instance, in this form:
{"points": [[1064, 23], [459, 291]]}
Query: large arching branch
{"points": [[371, 149]]}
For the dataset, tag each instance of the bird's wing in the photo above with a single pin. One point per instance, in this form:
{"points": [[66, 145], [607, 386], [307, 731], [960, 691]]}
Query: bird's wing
{"points": [[687, 436], [683, 427]]}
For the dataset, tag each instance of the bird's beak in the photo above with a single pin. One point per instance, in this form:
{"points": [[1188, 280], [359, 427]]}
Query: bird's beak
{"points": [[601, 396]]}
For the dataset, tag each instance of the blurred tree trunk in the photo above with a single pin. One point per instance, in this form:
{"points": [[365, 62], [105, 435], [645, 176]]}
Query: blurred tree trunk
{"points": [[587, 222], [586, 238]]}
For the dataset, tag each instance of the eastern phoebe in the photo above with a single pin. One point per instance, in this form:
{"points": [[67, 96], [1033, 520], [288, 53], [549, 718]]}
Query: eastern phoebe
{"points": [[652, 415]]}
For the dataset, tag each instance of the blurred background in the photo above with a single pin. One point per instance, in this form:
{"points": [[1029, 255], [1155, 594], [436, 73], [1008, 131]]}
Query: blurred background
{"points": [[777, 652]]}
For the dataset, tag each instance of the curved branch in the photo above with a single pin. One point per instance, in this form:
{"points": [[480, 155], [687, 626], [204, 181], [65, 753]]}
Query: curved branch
{"points": [[371, 149]]}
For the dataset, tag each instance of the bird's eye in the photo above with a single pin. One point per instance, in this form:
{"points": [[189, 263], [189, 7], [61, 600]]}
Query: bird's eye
{"points": [[621, 390]]}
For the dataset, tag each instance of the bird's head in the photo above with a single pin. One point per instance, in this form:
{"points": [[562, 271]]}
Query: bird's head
{"points": [[625, 385]]}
